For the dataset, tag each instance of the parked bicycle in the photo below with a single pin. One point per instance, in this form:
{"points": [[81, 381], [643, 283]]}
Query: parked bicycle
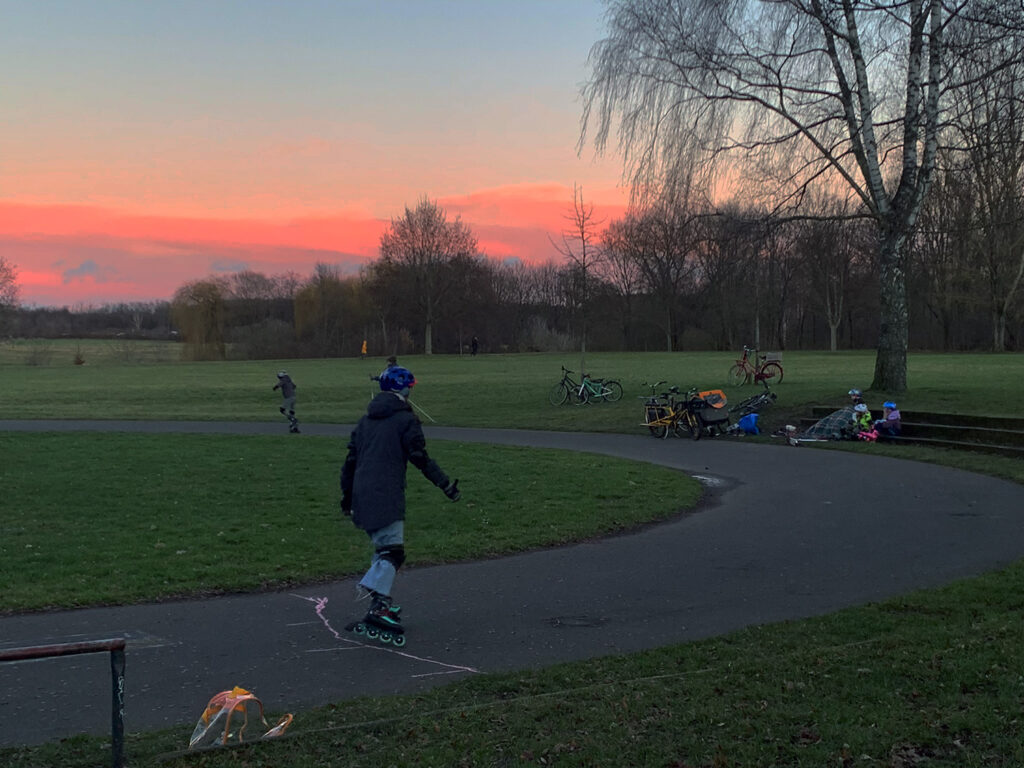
{"points": [[696, 413], [754, 403], [599, 390], [586, 390], [754, 366], [705, 413], [565, 391], [661, 412]]}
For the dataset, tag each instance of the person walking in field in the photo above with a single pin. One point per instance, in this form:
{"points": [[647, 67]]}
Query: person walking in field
{"points": [[287, 387], [385, 440]]}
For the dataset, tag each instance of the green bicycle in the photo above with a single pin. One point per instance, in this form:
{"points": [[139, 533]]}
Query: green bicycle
{"points": [[587, 390], [599, 390]]}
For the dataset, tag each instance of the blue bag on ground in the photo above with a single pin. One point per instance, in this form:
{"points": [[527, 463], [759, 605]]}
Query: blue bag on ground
{"points": [[749, 424]]}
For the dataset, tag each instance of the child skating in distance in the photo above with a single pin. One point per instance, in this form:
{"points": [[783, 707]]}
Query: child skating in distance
{"points": [[287, 387], [384, 441]]}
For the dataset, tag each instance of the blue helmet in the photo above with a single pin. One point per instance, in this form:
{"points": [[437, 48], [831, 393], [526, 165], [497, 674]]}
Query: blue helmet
{"points": [[889, 404], [396, 379]]}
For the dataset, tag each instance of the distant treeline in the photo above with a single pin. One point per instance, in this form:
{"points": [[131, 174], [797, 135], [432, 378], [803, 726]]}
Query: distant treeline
{"points": [[661, 279]]}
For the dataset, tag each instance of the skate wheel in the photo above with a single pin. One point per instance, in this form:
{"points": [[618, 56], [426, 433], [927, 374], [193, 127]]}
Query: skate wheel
{"points": [[372, 633], [385, 637], [359, 628], [398, 640]]}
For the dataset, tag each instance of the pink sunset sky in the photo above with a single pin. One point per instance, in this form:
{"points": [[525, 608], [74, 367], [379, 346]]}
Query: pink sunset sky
{"points": [[146, 144]]}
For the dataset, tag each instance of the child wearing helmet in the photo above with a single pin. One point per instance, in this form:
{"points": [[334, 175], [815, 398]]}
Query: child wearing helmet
{"points": [[287, 387], [387, 438], [862, 417], [863, 423], [889, 424]]}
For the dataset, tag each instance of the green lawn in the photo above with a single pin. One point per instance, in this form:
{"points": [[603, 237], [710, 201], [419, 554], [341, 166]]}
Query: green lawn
{"points": [[931, 679], [488, 390], [181, 514]]}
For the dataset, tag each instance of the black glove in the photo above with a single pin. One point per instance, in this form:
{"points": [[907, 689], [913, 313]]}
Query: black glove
{"points": [[346, 506], [452, 490]]}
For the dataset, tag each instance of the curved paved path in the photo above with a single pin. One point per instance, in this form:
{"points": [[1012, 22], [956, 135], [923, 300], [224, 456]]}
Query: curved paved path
{"points": [[785, 533]]}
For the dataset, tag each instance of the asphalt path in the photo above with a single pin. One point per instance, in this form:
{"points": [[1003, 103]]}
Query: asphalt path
{"points": [[783, 533]]}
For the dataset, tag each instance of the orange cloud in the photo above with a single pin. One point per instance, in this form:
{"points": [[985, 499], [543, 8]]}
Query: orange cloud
{"points": [[360, 235], [70, 254]]}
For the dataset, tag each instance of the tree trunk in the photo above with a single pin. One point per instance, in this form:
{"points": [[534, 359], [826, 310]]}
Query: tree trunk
{"points": [[891, 359], [833, 334], [428, 343], [998, 330]]}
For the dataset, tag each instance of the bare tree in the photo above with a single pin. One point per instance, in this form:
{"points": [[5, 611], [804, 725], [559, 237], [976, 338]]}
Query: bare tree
{"points": [[8, 289], [665, 247], [321, 311], [807, 92], [940, 253], [198, 310], [580, 247], [516, 295], [829, 248], [422, 244], [990, 123], [621, 271]]}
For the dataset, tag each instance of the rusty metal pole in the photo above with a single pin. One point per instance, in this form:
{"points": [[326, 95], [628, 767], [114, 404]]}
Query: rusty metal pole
{"points": [[116, 649]]}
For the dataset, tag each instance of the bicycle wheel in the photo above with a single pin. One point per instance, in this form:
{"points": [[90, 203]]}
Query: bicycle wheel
{"points": [[771, 372], [658, 416], [579, 395], [558, 394], [613, 391], [694, 424], [738, 375]]}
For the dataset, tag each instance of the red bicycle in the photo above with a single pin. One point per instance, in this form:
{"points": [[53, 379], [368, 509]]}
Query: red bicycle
{"points": [[754, 366]]}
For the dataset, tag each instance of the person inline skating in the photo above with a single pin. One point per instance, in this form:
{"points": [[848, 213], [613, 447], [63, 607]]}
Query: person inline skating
{"points": [[287, 387], [387, 438]]}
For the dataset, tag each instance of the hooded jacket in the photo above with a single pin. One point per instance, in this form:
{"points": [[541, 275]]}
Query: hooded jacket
{"points": [[373, 475]]}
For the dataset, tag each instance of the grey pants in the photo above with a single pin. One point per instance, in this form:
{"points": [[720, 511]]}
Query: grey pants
{"points": [[288, 409], [381, 575]]}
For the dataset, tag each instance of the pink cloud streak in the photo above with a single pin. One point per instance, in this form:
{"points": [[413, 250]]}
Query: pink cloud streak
{"points": [[72, 254]]}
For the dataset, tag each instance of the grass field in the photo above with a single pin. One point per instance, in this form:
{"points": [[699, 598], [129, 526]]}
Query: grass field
{"points": [[485, 391], [177, 514], [931, 679]]}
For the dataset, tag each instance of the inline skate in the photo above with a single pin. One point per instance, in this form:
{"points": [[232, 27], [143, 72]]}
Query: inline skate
{"points": [[382, 622]]}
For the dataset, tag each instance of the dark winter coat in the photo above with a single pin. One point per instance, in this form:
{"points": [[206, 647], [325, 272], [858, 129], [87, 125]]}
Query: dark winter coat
{"points": [[287, 386], [373, 475]]}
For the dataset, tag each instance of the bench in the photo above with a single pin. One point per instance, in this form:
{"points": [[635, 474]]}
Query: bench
{"points": [[984, 434]]}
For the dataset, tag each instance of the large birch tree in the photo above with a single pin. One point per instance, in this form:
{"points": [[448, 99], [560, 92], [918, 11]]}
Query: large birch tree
{"points": [[793, 94]]}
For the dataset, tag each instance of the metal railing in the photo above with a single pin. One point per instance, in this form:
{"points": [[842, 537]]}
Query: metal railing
{"points": [[116, 649]]}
